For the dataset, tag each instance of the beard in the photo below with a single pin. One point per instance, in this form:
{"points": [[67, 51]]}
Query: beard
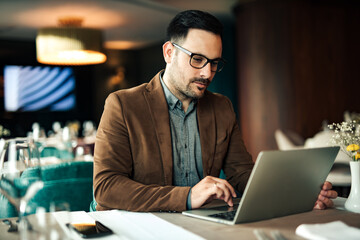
{"points": [[191, 93]]}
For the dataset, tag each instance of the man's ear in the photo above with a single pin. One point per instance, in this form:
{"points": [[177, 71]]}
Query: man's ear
{"points": [[168, 51]]}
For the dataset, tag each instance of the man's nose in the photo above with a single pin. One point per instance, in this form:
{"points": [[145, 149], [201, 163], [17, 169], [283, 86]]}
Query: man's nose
{"points": [[206, 71]]}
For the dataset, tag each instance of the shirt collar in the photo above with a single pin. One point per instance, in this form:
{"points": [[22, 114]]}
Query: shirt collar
{"points": [[170, 97], [172, 100]]}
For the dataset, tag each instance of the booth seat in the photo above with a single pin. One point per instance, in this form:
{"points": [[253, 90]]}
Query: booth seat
{"points": [[69, 182], [58, 153]]}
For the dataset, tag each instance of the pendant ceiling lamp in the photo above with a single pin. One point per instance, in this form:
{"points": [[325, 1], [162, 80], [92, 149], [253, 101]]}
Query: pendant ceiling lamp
{"points": [[69, 44]]}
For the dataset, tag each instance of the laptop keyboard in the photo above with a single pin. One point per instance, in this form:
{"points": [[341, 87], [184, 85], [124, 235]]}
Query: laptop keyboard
{"points": [[225, 215]]}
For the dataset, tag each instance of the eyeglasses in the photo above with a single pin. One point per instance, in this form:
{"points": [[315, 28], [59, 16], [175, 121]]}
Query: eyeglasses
{"points": [[199, 61]]}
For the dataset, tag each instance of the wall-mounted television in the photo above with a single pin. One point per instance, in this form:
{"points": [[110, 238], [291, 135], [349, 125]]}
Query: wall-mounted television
{"points": [[39, 88]]}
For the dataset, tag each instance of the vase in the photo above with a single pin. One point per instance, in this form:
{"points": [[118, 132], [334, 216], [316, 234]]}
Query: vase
{"points": [[353, 202]]}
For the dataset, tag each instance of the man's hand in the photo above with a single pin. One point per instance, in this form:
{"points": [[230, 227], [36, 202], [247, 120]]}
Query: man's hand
{"points": [[324, 199], [211, 188]]}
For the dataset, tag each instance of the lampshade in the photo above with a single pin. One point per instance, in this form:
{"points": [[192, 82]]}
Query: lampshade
{"points": [[69, 45]]}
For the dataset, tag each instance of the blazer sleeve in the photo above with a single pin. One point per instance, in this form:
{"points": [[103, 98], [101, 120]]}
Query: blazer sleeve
{"points": [[114, 186], [238, 162]]}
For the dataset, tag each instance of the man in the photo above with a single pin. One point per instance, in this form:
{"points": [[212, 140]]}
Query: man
{"points": [[161, 145]]}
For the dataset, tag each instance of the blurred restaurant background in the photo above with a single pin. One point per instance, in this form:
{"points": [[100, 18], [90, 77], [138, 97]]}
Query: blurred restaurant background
{"points": [[291, 65]]}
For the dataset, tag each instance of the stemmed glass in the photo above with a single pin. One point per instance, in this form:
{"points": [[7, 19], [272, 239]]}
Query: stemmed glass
{"points": [[20, 172]]}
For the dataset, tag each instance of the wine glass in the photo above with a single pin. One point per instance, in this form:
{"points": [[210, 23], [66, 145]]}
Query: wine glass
{"points": [[20, 172], [48, 222]]}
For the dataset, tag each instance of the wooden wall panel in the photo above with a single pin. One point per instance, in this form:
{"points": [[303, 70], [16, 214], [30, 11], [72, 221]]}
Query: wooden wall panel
{"points": [[298, 65]]}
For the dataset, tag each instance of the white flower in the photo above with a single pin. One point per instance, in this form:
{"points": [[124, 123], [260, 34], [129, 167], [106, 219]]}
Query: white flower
{"points": [[345, 134]]}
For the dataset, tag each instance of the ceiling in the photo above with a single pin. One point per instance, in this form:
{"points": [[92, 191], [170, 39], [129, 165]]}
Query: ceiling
{"points": [[126, 24]]}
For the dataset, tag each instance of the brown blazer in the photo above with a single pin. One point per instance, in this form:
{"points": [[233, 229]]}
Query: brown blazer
{"points": [[133, 163]]}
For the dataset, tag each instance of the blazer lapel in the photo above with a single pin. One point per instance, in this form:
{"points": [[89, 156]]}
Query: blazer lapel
{"points": [[157, 104], [207, 130]]}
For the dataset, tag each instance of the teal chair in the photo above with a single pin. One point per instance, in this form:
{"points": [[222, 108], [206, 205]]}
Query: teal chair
{"points": [[222, 174], [6, 209], [59, 153], [93, 204], [69, 182]]}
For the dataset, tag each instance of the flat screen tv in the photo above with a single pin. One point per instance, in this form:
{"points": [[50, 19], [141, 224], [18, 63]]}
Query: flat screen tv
{"points": [[38, 88]]}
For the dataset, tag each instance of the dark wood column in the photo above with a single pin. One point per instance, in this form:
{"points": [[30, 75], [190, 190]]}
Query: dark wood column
{"points": [[298, 64]]}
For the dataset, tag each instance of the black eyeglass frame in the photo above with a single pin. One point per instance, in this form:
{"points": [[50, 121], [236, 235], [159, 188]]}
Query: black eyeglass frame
{"points": [[211, 61]]}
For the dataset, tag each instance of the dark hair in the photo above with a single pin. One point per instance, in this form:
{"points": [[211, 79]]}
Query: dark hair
{"points": [[183, 21]]}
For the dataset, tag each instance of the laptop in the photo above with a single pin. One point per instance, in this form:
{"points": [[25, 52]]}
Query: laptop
{"points": [[281, 183]]}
